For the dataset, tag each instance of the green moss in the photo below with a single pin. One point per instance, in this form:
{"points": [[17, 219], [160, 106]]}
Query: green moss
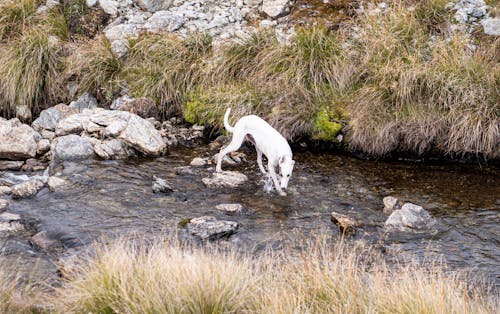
{"points": [[324, 128], [184, 222]]}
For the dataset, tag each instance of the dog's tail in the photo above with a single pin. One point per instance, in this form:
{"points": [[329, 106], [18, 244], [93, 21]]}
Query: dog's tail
{"points": [[229, 128]]}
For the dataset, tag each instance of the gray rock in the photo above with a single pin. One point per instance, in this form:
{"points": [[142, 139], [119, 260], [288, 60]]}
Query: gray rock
{"points": [[154, 5], [410, 217], [49, 118], [391, 204], [71, 147], [161, 186], [165, 21], [5, 190], [225, 179], [209, 228], [23, 113], [43, 146], [33, 164], [109, 6], [491, 26], [142, 135], [121, 31], [26, 189], [17, 140], [55, 183], [232, 209], [10, 222], [275, 8], [110, 149], [44, 241], [184, 170], [4, 205], [86, 101], [120, 47], [10, 165], [198, 162]]}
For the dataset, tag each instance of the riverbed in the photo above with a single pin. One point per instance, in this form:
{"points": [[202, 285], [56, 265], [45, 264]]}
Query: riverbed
{"points": [[108, 199]]}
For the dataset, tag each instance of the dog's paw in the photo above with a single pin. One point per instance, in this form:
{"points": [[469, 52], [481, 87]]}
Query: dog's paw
{"points": [[282, 193]]}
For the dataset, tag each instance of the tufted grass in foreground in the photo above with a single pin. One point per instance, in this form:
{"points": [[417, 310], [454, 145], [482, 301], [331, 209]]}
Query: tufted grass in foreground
{"points": [[324, 278]]}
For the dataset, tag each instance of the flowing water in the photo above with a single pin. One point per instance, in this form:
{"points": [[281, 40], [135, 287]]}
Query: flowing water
{"points": [[112, 198]]}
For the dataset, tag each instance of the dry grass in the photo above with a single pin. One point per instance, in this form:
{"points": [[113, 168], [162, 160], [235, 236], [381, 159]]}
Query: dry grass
{"points": [[15, 16], [169, 278], [32, 64]]}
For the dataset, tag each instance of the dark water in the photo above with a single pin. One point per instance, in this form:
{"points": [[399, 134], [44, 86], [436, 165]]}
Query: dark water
{"points": [[112, 198]]}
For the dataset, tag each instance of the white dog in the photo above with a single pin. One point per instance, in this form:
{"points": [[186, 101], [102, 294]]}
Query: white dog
{"points": [[267, 141]]}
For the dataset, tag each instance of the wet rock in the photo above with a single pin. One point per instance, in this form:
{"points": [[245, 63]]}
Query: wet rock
{"points": [[45, 242], [143, 107], [233, 208], [198, 162], [33, 164], [346, 224], [230, 179], [5, 190], [410, 217], [86, 101], [72, 147], [55, 183], [110, 149], [209, 228], [26, 189], [4, 205], [275, 8], [10, 222], [183, 170], [391, 204], [17, 141], [43, 146], [161, 185], [10, 165], [154, 5], [491, 26]]}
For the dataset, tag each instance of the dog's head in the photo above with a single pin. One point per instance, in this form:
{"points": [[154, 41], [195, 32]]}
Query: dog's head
{"points": [[286, 167]]}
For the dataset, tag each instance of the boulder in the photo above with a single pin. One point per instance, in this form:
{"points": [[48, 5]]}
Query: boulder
{"points": [[154, 5], [17, 141], [391, 204], [491, 26], [71, 147], [110, 149], [346, 224], [275, 8], [10, 222], [43, 146], [55, 183], [26, 189], [85, 101], [10, 165], [4, 205], [109, 6], [49, 118], [230, 179], [161, 185], [142, 135], [209, 228], [410, 217]]}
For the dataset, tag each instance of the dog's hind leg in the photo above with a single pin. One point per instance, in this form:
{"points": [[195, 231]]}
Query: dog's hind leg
{"points": [[259, 161], [235, 144]]}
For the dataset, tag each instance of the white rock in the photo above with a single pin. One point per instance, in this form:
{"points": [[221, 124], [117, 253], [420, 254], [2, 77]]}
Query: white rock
{"points": [[26, 189], [225, 179], [120, 47], [109, 6], [164, 21], [154, 5], [410, 217], [491, 26], [91, 3], [54, 183], [198, 162], [17, 141], [275, 8]]}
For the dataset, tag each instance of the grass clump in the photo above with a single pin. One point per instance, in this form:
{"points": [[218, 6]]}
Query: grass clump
{"points": [[15, 16], [82, 21], [96, 68], [32, 64], [166, 68], [324, 278]]}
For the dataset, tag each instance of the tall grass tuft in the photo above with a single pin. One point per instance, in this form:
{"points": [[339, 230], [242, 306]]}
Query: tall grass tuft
{"points": [[32, 65], [15, 16], [166, 68], [324, 278]]}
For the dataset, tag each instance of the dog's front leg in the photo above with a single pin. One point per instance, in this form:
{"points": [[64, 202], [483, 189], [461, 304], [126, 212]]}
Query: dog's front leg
{"points": [[272, 171]]}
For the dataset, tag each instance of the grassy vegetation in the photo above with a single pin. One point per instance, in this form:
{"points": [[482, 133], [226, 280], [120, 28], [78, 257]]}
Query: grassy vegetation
{"points": [[325, 278], [395, 81]]}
